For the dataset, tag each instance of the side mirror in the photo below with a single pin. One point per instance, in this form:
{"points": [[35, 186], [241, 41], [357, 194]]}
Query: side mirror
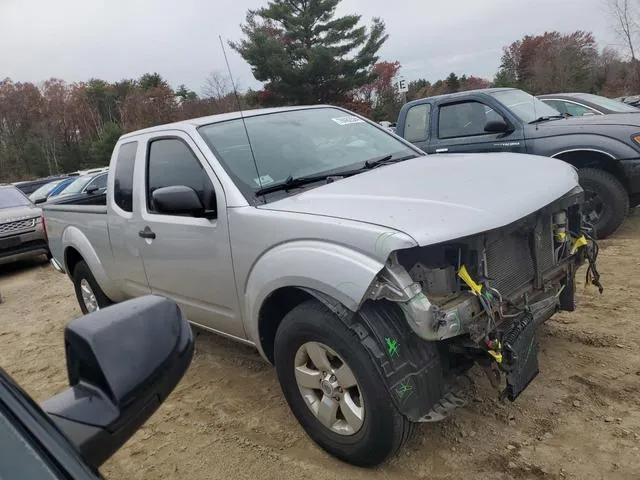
{"points": [[122, 363], [92, 189], [497, 126], [39, 200], [181, 200]]}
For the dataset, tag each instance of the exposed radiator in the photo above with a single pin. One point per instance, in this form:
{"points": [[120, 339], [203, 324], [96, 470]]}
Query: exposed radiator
{"points": [[510, 263]]}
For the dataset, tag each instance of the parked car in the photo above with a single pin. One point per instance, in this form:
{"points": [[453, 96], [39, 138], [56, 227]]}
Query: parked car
{"points": [[22, 230], [85, 189], [42, 193], [115, 387], [29, 186], [371, 275], [580, 104], [58, 189], [604, 148], [630, 100]]}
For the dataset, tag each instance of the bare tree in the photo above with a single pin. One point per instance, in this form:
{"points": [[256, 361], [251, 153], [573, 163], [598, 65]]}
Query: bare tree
{"points": [[217, 86], [624, 15]]}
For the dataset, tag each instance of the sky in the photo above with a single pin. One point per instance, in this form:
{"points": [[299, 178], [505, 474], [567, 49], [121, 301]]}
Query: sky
{"points": [[113, 39]]}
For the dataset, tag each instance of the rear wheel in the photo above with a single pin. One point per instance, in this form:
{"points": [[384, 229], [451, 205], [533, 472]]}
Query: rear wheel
{"points": [[90, 296], [606, 200], [333, 388]]}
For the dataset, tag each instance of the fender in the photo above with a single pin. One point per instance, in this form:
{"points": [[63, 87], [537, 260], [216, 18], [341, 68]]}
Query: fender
{"points": [[552, 146], [72, 237], [339, 272]]}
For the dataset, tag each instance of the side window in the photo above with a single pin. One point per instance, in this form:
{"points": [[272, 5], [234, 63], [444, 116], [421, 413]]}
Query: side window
{"points": [[416, 125], [99, 182], [557, 104], [171, 162], [462, 119], [578, 110], [123, 182]]}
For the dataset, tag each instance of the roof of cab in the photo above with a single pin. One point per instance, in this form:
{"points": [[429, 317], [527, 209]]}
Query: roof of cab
{"points": [[222, 117], [458, 94]]}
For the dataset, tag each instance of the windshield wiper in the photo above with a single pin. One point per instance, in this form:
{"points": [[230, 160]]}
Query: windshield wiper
{"points": [[547, 118], [294, 182]]}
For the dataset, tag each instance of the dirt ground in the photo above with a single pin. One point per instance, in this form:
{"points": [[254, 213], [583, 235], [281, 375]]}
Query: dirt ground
{"points": [[579, 419]]}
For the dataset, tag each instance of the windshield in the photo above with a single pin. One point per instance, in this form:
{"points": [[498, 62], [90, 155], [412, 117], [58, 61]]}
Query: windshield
{"points": [[526, 107], [77, 185], [44, 190], [609, 104], [11, 197], [297, 143]]}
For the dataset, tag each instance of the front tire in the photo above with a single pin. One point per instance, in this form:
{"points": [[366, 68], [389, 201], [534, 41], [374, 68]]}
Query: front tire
{"points": [[607, 201], [89, 294], [334, 390]]}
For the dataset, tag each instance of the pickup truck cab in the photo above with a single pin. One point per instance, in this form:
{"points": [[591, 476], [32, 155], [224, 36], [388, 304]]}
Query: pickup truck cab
{"points": [[605, 148], [371, 275]]}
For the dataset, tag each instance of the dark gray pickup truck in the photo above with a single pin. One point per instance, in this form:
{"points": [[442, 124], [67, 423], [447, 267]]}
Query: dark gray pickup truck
{"points": [[605, 148]]}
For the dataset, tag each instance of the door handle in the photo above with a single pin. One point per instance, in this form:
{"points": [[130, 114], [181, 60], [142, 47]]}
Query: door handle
{"points": [[147, 233], [442, 150]]}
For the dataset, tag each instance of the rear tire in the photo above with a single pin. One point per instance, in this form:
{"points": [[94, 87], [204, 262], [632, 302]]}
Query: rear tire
{"points": [[611, 196], [383, 430], [86, 286]]}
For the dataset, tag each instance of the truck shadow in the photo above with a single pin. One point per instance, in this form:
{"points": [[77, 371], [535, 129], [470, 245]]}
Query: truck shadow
{"points": [[9, 270]]}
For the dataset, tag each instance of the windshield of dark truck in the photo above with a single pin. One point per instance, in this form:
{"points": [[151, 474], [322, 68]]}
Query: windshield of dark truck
{"points": [[526, 107], [297, 143]]}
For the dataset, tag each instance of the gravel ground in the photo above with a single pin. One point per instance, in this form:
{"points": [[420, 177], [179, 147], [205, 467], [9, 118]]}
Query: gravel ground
{"points": [[579, 419]]}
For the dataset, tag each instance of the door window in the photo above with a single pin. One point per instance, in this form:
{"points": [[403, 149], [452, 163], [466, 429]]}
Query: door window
{"points": [[576, 110], [557, 104], [416, 126], [171, 162], [463, 119], [123, 183], [98, 182]]}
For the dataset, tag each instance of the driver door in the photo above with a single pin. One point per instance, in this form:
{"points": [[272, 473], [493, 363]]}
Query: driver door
{"points": [[188, 259], [460, 127]]}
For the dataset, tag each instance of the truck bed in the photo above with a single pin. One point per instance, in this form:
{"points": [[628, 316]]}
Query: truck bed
{"points": [[72, 220]]}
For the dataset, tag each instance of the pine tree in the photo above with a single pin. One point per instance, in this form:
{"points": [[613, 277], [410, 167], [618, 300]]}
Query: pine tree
{"points": [[453, 83], [306, 54]]}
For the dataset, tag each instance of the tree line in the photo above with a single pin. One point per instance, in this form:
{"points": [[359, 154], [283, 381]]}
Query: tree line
{"points": [[304, 54]]}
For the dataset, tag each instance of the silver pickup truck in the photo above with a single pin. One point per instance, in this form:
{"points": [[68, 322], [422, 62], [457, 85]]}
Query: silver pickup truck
{"points": [[373, 276]]}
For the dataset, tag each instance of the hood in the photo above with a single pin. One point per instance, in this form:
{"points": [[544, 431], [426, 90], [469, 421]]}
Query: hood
{"points": [[626, 119], [437, 198], [18, 213]]}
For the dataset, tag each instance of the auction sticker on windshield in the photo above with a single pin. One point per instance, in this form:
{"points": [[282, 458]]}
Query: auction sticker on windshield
{"points": [[348, 120], [263, 180]]}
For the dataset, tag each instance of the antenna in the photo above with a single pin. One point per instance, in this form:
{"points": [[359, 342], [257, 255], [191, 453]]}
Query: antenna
{"points": [[533, 101], [244, 124]]}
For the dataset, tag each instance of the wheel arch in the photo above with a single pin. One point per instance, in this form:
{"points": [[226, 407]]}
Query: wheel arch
{"points": [[280, 302], [594, 158], [77, 247], [288, 273]]}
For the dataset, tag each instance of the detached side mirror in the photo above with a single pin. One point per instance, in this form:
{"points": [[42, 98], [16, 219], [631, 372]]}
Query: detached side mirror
{"points": [[122, 362], [179, 200], [497, 126]]}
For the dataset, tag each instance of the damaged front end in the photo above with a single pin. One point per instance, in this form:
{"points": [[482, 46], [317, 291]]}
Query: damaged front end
{"points": [[483, 296]]}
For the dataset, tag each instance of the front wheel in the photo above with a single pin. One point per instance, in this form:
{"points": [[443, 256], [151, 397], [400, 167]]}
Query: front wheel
{"points": [[89, 294], [333, 388], [606, 200]]}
